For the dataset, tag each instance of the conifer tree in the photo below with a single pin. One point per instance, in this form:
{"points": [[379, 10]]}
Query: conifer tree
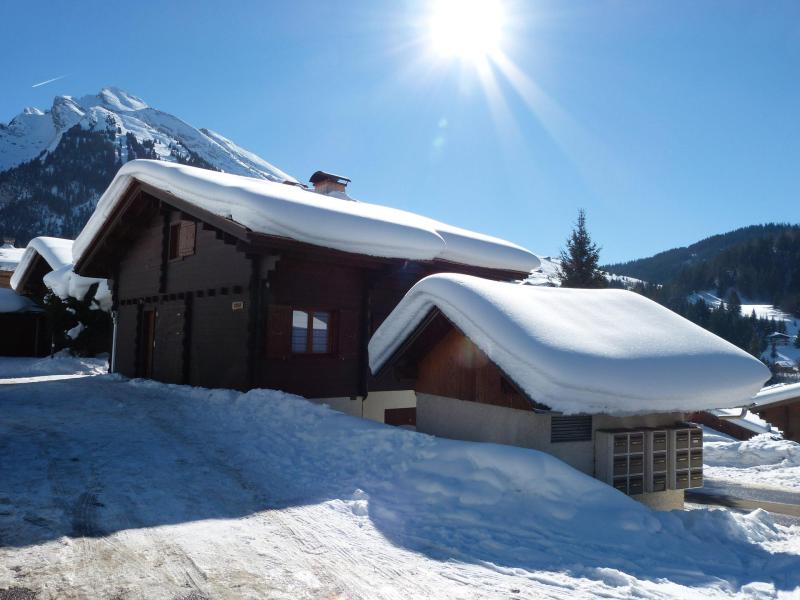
{"points": [[580, 261]]}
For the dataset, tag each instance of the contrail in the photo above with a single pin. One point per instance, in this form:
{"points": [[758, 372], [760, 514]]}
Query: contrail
{"points": [[41, 83]]}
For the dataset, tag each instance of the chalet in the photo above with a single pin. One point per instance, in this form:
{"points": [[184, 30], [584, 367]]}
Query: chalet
{"points": [[779, 339], [227, 281], [46, 265], [780, 406], [9, 259], [602, 379]]}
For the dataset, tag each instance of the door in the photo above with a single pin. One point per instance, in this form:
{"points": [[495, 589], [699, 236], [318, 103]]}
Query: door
{"points": [[147, 340]]}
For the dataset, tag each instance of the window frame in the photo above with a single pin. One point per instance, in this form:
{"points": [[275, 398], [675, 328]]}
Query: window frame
{"points": [[309, 347]]}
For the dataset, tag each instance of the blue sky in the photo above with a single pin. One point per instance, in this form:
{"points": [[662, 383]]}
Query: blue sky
{"points": [[666, 121]]}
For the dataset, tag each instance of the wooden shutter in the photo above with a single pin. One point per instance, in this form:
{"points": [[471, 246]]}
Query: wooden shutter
{"points": [[187, 237], [349, 334], [279, 331]]}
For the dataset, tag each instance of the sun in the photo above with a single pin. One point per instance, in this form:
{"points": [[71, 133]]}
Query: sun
{"points": [[469, 30]]}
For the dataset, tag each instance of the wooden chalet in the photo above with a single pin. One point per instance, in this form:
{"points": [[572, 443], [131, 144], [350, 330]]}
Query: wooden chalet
{"points": [[10, 256], [203, 299]]}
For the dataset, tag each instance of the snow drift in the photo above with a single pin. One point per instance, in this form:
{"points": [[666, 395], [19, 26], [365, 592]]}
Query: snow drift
{"points": [[582, 351]]}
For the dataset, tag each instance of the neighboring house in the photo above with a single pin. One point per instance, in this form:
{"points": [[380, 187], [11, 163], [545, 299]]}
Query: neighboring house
{"points": [[41, 256], [780, 406], [23, 327], [9, 259], [226, 281], [779, 339], [602, 379]]}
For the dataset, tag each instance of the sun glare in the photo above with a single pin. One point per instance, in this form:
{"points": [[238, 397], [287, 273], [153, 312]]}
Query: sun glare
{"points": [[469, 30]]}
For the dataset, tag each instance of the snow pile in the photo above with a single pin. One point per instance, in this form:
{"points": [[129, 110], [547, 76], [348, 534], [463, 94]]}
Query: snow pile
{"points": [[509, 509], [61, 363], [594, 351], [65, 283], [764, 460], [11, 302], [119, 113], [57, 252], [292, 212], [219, 494], [10, 257]]}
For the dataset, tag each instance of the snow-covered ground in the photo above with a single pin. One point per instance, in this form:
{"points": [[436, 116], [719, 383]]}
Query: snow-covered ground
{"points": [[133, 489], [766, 460]]}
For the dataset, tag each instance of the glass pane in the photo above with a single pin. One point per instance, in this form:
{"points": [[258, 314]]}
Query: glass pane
{"points": [[299, 331], [319, 339]]}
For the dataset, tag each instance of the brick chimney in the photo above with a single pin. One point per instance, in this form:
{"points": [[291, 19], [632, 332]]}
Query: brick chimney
{"points": [[328, 183]]}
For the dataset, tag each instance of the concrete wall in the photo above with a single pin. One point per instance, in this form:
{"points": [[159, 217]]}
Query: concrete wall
{"points": [[477, 422], [372, 408]]}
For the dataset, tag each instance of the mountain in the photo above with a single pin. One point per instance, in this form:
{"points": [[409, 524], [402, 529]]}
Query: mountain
{"points": [[760, 262], [54, 164], [665, 266]]}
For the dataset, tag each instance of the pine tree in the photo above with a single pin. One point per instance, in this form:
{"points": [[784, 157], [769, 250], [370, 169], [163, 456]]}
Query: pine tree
{"points": [[579, 263]]}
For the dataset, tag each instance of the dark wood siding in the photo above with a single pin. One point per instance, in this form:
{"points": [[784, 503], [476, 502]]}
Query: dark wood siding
{"points": [[303, 283], [23, 334], [785, 417], [219, 350], [456, 368], [168, 349], [127, 328]]}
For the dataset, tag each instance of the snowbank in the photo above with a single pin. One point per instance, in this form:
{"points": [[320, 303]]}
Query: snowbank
{"points": [[764, 460], [61, 363], [11, 302], [291, 212], [593, 351], [57, 252]]}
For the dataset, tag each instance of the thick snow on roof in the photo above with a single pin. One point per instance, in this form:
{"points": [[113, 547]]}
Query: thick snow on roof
{"points": [[289, 211], [777, 393], [57, 252], [12, 302], [65, 283], [592, 351], [10, 257]]}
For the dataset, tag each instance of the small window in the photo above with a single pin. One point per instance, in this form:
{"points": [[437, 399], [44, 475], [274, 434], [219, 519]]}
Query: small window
{"points": [[182, 239], [311, 332]]}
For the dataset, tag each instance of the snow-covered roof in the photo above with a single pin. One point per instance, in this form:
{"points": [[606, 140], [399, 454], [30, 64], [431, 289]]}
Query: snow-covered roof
{"points": [[65, 283], [57, 252], [12, 302], [10, 257], [592, 351], [292, 212], [776, 393]]}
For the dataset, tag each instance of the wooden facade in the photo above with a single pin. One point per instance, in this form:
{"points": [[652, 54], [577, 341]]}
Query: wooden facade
{"points": [[218, 311], [784, 415], [24, 334]]}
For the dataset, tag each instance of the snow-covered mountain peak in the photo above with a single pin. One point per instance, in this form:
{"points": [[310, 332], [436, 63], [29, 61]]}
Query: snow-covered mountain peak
{"points": [[119, 100], [35, 133]]}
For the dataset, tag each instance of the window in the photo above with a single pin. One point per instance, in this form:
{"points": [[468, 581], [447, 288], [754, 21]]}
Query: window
{"points": [[181, 239], [311, 332]]}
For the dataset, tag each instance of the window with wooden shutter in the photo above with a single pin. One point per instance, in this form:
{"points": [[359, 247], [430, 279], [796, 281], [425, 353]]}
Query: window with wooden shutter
{"points": [[187, 238], [182, 239], [312, 331]]}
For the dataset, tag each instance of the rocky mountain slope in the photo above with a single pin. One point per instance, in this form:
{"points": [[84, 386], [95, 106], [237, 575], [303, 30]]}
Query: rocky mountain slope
{"points": [[54, 164]]}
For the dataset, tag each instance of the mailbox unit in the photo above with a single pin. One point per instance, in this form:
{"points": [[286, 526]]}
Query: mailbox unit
{"points": [[686, 457], [650, 460]]}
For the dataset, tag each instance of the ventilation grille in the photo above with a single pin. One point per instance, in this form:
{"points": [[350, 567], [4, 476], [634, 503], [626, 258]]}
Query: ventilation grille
{"points": [[571, 429]]}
